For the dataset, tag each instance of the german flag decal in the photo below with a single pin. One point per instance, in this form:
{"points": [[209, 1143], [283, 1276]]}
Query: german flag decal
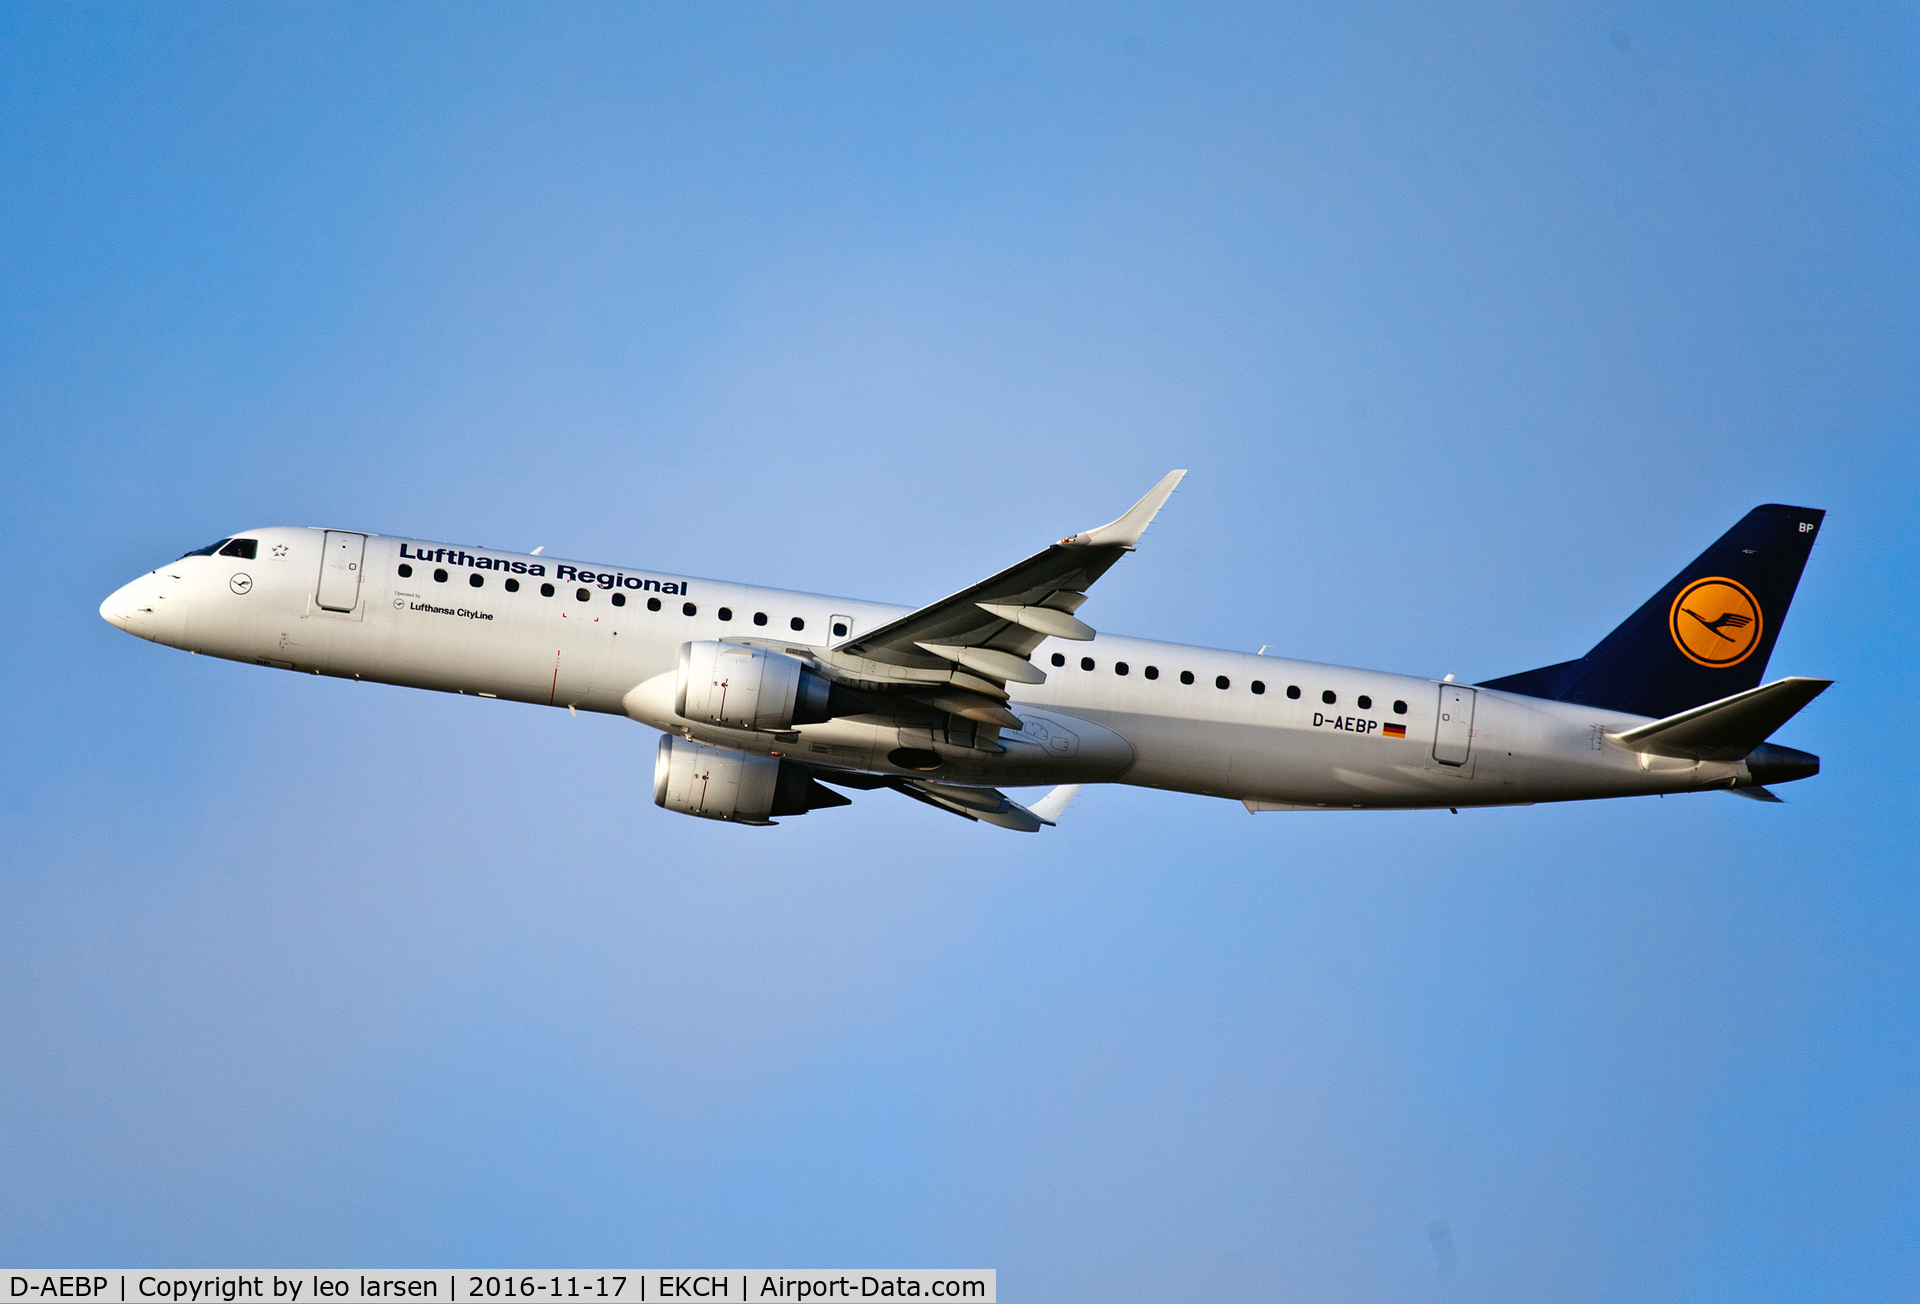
{"points": [[1394, 730]]}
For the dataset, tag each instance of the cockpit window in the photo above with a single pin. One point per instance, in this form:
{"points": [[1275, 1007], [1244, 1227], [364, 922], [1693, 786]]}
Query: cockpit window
{"points": [[241, 548], [207, 551]]}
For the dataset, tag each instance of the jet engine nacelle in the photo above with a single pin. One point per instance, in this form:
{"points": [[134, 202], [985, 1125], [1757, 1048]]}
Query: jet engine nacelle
{"points": [[717, 784], [750, 688]]}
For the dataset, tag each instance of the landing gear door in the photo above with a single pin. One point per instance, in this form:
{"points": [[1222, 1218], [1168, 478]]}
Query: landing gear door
{"points": [[1453, 732], [340, 567]]}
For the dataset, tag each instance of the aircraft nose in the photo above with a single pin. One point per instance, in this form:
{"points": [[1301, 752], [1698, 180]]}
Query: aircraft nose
{"points": [[132, 606], [118, 606]]}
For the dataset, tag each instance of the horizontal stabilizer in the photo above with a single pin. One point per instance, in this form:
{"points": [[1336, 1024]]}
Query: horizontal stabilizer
{"points": [[1726, 730]]}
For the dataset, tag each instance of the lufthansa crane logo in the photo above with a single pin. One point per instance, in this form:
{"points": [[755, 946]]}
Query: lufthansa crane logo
{"points": [[1716, 622]]}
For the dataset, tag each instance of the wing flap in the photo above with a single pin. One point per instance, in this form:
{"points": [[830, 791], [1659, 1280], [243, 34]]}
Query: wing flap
{"points": [[1042, 620], [991, 662]]}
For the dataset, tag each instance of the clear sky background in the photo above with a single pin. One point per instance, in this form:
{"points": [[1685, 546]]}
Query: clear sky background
{"points": [[1473, 322]]}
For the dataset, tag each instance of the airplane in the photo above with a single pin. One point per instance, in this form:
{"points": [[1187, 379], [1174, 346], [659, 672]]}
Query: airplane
{"points": [[773, 703]]}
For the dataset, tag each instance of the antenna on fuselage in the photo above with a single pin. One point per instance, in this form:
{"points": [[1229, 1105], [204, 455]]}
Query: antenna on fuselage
{"points": [[537, 551]]}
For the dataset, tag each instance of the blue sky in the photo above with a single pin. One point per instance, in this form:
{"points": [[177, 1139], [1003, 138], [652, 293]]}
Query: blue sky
{"points": [[1472, 322]]}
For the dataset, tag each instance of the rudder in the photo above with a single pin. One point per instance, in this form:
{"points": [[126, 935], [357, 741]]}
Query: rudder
{"points": [[1704, 636]]}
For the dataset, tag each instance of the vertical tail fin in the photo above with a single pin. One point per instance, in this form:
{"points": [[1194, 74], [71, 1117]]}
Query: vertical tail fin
{"points": [[1705, 636]]}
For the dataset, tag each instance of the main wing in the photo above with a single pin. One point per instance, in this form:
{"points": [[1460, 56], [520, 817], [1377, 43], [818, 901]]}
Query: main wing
{"points": [[989, 805], [980, 637]]}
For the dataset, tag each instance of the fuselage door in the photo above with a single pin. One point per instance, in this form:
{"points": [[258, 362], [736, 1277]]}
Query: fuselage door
{"points": [[1453, 734], [340, 566], [839, 628]]}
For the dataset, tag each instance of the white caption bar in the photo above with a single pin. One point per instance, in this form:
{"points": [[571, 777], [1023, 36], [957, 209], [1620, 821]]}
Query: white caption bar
{"points": [[458, 1286]]}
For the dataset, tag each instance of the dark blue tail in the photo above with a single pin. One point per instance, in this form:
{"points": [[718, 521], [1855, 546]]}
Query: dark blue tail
{"points": [[1705, 636]]}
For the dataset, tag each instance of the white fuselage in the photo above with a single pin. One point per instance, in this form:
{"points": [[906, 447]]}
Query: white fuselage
{"points": [[1349, 739]]}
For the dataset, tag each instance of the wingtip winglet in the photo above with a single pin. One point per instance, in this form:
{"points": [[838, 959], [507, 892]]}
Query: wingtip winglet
{"points": [[1052, 806], [1126, 531]]}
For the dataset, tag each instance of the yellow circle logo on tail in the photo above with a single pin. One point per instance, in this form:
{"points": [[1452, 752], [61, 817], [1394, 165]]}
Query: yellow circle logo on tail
{"points": [[1716, 622]]}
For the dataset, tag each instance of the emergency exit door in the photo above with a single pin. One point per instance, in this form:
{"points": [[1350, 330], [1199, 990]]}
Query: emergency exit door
{"points": [[1453, 735], [340, 570]]}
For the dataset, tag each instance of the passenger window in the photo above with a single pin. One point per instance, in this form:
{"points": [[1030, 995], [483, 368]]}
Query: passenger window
{"points": [[797, 624], [513, 586], [1086, 663], [546, 590], [1258, 688], [1399, 708], [653, 604], [839, 629], [1186, 676], [475, 580], [688, 609], [1293, 691], [406, 571], [1059, 660], [1119, 667], [726, 613], [1328, 697], [1220, 681], [619, 599], [1152, 672], [439, 577], [759, 617], [582, 595], [245, 548], [1366, 703]]}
